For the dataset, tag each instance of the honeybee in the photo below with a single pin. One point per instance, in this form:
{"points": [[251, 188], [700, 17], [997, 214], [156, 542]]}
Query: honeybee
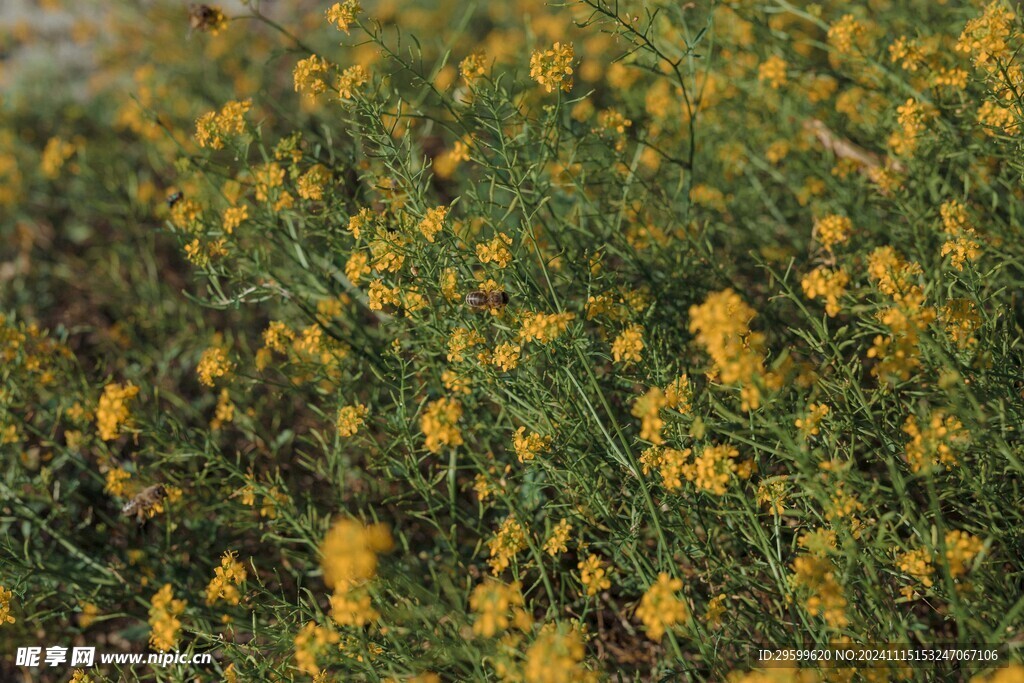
{"points": [[204, 17], [144, 502], [481, 300], [173, 199]]}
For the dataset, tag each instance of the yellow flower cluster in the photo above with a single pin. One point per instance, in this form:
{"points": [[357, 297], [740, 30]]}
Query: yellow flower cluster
{"points": [[648, 408], [5, 606], [773, 72], [986, 38], [267, 177], [349, 561], [497, 606], [846, 35], [553, 68], [214, 364], [496, 251], [629, 345], [556, 542], [961, 549], [350, 80], [55, 154], [960, 245], [212, 128], [936, 443], [505, 356], [163, 619], [661, 608], [773, 493], [832, 230], [556, 656], [473, 66], [544, 327], [816, 575], [433, 222], [439, 423], [311, 183], [343, 14], [828, 284], [461, 340], [350, 419], [917, 564], [529, 446], [510, 539], [112, 411], [808, 425], [117, 482], [309, 76], [961, 320], [309, 643], [711, 471], [233, 217], [226, 579], [593, 575], [913, 118], [721, 324], [672, 464]]}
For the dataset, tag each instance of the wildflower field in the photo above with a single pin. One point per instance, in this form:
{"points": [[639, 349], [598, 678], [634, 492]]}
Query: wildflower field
{"points": [[428, 341]]}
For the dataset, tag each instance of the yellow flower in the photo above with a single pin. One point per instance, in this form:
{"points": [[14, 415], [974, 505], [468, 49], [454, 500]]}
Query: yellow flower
{"points": [[960, 550], [112, 411], [556, 542], [117, 480], [439, 423], [55, 154], [936, 443], [828, 284], [553, 68], [311, 183], [492, 601], [350, 419], [721, 325], [629, 345], [556, 656], [226, 579], [985, 38], [529, 446], [661, 608], [212, 128], [233, 217], [310, 642], [918, 564], [593, 575], [460, 340], [349, 552], [433, 222], [510, 539], [506, 356], [831, 230], [214, 364], [5, 606], [715, 610], [350, 80], [772, 492], [163, 619], [808, 425], [773, 72], [357, 266], [472, 67], [496, 251], [544, 328], [343, 14], [816, 576], [309, 76], [647, 408]]}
